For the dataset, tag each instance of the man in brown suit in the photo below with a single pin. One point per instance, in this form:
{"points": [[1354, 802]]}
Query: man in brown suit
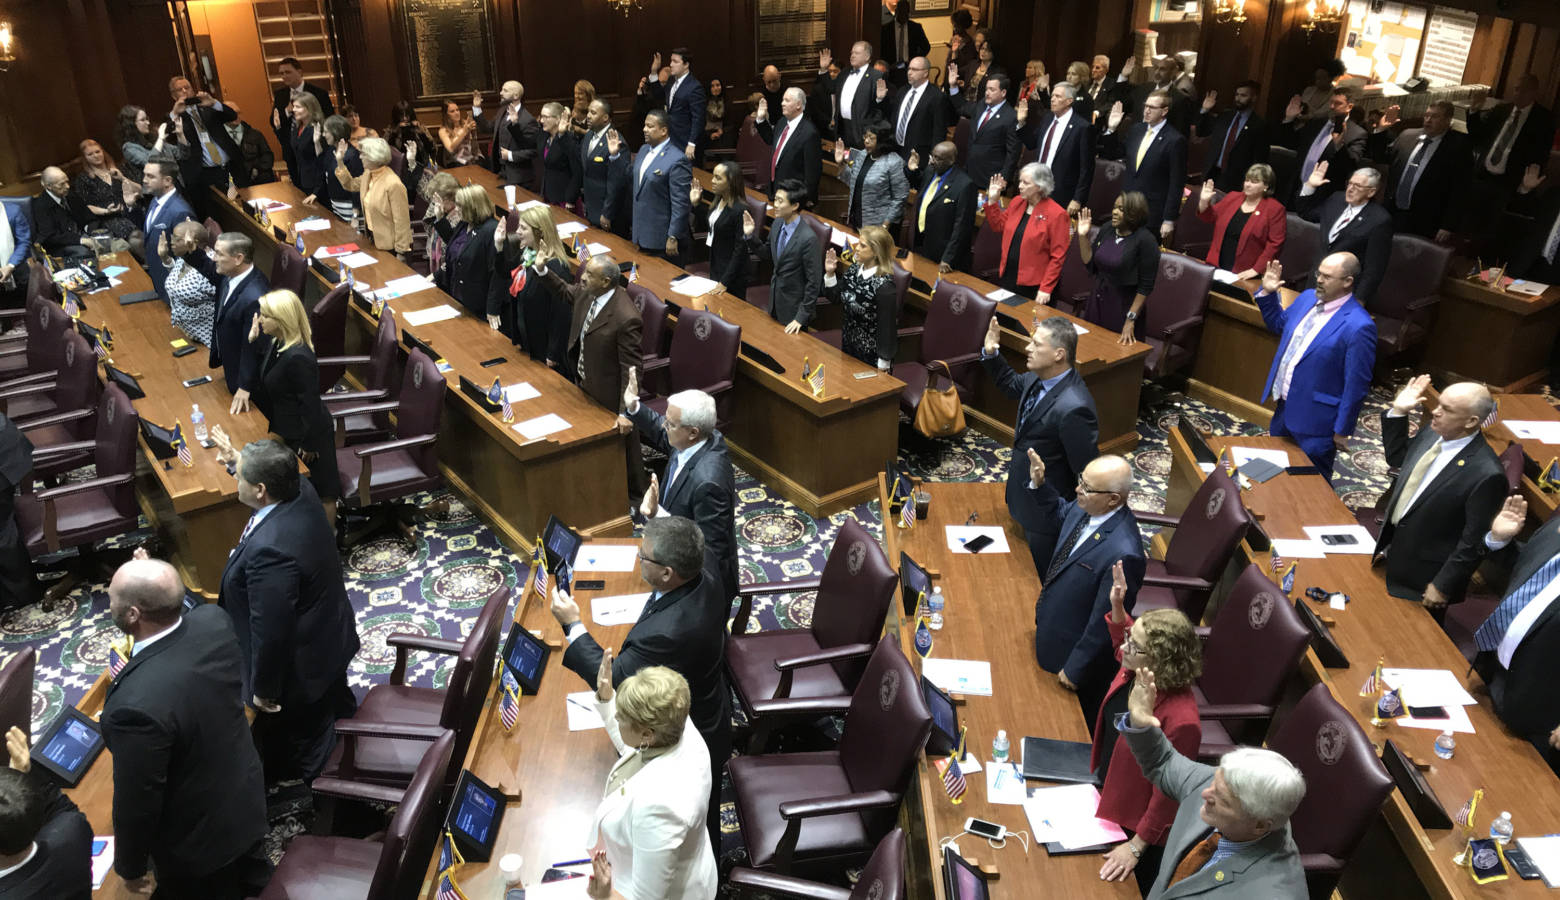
{"points": [[604, 336]]}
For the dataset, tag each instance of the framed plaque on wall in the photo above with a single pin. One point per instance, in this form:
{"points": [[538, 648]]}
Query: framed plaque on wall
{"points": [[449, 47], [791, 32]]}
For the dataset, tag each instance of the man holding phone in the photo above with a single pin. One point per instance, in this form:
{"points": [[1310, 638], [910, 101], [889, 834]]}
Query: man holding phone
{"points": [[1333, 139]]}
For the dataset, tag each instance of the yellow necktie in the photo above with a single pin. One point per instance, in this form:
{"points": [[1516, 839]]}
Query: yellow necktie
{"points": [[1411, 486], [926, 203], [1148, 138]]}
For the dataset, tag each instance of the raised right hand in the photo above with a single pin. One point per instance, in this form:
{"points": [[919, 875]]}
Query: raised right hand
{"points": [[1293, 110], [162, 244], [1118, 592], [16, 748], [839, 153], [1532, 177], [915, 160], [1318, 175], [1116, 115], [655, 64], [1085, 222], [993, 341], [614, 142], [1207, 192], [476, 98], [631, 389], [276, 118], [994, 189], [694, 193], [604, 676], [882, 89], [1140, 703], [162, 131], [1130, 66], [1273, 276], [652, 499], [749, 227], [831, 262], [1390, 117], [1409, 398], [1508, 522], [1210, 100], [824, 58], [762, 112]]}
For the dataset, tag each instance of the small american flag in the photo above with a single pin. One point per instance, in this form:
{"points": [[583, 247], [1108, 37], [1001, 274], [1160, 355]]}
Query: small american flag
{"points": [[72, 305], [118, 656], [506, 410], [907, 512], [97, 348], [953, 779], [539, 570], [815, 381], [1493, 417], [508, 700], [584, 254], [185, 456], [449, 858], [1372, 682], [1464, 815]]}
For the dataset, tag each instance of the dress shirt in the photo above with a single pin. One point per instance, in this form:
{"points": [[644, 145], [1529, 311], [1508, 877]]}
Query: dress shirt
{"points": [[650, 159], [906, 110], [1448, 451], [233, 282], [671, 89], [787, 230], [852, 81], [683, 458], [1060, 126], [1091, 526], [208, 148], [786, 131], [1524, 621], [31, 852], [1281, 391], [1148, 138], [157, 206], [1349, 214], [596, 138], [990, 113], [1236, 124], [137, 646]]}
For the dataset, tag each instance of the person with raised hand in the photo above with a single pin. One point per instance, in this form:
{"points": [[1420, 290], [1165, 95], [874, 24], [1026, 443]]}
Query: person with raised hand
{"points": [[45, 841]]}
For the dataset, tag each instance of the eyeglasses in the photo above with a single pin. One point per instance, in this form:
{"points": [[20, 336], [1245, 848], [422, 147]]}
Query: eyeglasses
{"points": [[644, 558], [1152, 106], [1085, 489], [1128, 645]]}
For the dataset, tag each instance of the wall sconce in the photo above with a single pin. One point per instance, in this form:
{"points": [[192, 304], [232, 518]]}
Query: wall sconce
{"points": [[1326, 17], [1230, 12], [7, 49], [625, 5]]}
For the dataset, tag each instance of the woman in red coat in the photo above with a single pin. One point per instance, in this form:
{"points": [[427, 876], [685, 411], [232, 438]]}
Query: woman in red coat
{"points": [[1248, 228], [1032, 263], [1164, 642]]}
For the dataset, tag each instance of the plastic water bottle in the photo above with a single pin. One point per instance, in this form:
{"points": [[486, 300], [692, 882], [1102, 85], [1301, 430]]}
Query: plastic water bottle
{"points": [[1501, 830], [934, 607], [999, 748], [1446, 745], [198, 423]]}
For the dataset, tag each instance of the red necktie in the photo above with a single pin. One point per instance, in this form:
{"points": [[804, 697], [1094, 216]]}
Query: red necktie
{"points": [[1229, 140], [779, 142], [1195, 858], [983, 118], [1045, 149]]}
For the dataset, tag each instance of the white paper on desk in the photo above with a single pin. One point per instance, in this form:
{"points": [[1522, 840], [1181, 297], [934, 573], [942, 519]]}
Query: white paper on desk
{"points": [[1534, 430], [430, 315], [1364, 544], [1530, 288], [541, 426], [1080, 329], [1243, 455], [623, 609], [959, 676], [521, 391], [530, 203], [999, 294], [1456, 720], [693, 286], [838, 237], [113, 271], [598, 249], [568, 228], [562, 889], [269, 205], [409, 284], [969, 765], [582, 711], [355, 260], [103, 862], [1225, 276], [1545, 853], [1298, 548], [313, 223], [606, 558], [1004, 784], [1065, 814], [1429, 687], [509, 195], [959, 535]]}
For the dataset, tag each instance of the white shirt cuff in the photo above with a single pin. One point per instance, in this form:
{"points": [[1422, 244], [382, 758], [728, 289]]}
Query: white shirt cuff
{"points": [[1493, 544], [885, 364], [476, 110], [830, 281], [632, 408], [573, 633], [1307, 190], [1394, 414]]}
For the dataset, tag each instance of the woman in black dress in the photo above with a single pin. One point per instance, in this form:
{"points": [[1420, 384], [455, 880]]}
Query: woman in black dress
{"points": [[311, 147], [1124, 260], [101, 187], [289, 390], [562, 169], [728, 252], [469, 270], [536, 319], [865, 290]]}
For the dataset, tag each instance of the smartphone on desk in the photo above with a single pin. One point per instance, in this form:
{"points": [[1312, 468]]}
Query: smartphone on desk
{"points": [[194, 382], [186, 350], [978, 544], [1339, 540]]}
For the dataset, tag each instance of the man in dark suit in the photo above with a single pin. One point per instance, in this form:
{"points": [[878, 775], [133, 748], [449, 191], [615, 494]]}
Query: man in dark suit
{"points": [[1351, 223], [189, 797], [1101, 89], [18, 584], [1155, 154], [291, 72], [1238, 137], [1512, 136], [699, 483], [516, 135], [658, 183], [920, 112], [903, 39], [1169, 76], [853, 92], [1065, 142], [797, 153], [1449, 486], [165, 208], [1430, 171], [45, 841], [239, 284], [794, 254], [210, 156], [1100, 533], [682, 627], [1056, 418], [1333, 139], [993, 147], [772, 91], [605, 180], [945, 209], [285, 590], [58, 217], [255, 163], [1536, 256], [682, 97], [1519, 644]]}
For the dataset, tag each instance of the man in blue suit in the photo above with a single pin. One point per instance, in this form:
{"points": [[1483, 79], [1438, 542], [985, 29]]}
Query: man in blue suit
{"points": [[682, 96], [1326, 351], [659, 185], [239, 287], [15, 246], [1099, 532], [605, 180], [166, 209]]}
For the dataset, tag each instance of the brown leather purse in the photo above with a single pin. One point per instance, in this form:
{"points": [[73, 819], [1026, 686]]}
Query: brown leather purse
{"points": [[939, 414]]}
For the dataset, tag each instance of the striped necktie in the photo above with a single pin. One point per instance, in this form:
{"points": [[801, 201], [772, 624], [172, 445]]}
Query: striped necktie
{"points": [[1493, 631]]}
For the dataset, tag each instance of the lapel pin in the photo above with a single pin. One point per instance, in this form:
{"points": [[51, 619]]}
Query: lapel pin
{"points": [[1459, 462], [1219, 875]]}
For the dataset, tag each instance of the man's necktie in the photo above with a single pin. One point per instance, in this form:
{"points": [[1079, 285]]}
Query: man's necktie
{"points": [[985, 116], [1493, 631], [1031, 402], [1508, 136], [1405, 193], [1415, 477], [590, 319], [1063, 552], [671, 92], [783, 237], [1195, 858], [1342, 223], [1045, 148], [1229, 140], [1314, 154], [1148, 138], [926, 202], [1286, 366], [210, 146], [774, 161], [671, 473], [248, 527], [904, 116]]}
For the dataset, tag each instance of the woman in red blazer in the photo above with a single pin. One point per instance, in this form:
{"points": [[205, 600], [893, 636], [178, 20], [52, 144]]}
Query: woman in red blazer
{"points": [[1248, 228], [1164, 642], [1032, 264]]}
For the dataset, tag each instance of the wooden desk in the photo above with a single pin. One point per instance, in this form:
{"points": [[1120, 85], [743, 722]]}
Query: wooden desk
{"points": [[578, 474], [821, 453], [990, 616], [1377, 626], [1486, 334], [1235, 353], [95, 794], [1531, 407], [558, 774]]}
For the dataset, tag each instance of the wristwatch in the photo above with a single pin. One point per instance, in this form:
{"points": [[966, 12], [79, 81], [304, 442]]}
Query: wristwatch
{"points": [[1131, 316]]}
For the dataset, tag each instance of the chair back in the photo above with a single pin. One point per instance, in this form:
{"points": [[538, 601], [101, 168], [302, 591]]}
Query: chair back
{"points": [[213, 230], [413, 833], [1511, 464], [467, 689], [422, 402], [77, 386], [901, 277], [1109, 176], [654, 336], [961, 142], [853, 596], [16, 692], [887, 724], [328, 323], [384, 358], [1302, 249], [398, 163], [1211, 526], [986, 253], [753, 156], [118, 430], [1193, 236], [884, 876], [46, 327], [956, 323], [757, 208], [1286, 172], [1345, 782], [822, 231], [1173, 311], [1414, 272], [1075, 284], [704, 357], [1254, 645], [289, 270], [1196, 160], [39, 284]]}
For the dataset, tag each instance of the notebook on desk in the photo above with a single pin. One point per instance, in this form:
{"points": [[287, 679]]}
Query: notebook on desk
{"points": [[1046, 759]]}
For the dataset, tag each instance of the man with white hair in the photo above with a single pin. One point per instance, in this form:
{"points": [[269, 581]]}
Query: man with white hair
{"points": [[1237, 839], [698, 483], [59, 217], [515, 136]]}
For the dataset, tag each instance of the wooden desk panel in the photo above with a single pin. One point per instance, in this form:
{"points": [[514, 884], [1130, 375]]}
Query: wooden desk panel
{"points": [[1490, 335], [1235, 353], [1529, 407]]}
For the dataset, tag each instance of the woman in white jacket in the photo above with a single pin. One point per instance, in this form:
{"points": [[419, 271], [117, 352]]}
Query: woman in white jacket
{"points": [[651, 818]]}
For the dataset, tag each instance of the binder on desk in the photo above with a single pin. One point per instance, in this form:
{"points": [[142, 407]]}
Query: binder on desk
{"points": [[1046, 759], [1200, 449], [1420, 796], [137, 297], [762, 358], [1322, 640]]}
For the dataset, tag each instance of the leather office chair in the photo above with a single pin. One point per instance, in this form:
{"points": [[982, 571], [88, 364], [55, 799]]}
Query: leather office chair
{"points": [[328, 324], [655, 338], [1411, 286], [703, 357], [391, 867], [1252, 649], [986, 253], [753, 155], [757, 292], [827, 809], [901, 278], [1511, 464], [1286, 173], [1345, 785], [955, 328], [37, 358], [363, 755], [381, 381], [1109, 177], [1197, 149], [75, 386], [883, 878], [1301, 252], [961, 142], [1173, 313], [16, 691], [213, 231], [398, 163], [377, 474], [1206, 535], [825, 660], [289, 270], [1075, 285], [1192, 235]]}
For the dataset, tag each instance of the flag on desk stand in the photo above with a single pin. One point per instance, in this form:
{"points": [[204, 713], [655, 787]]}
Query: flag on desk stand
{"points": [[183, 446], [815, 381], [508, 699], [1549, 478], [298, 244], [497, 394], [1493, 417], [584, 253], [1372, 681], [449, 858], [1287, 582], [97, 348], [118, 655], [1464, 815], [1227, 460], [633, 274], [806, 369], [952, 776], [539, 570], [907, 511], [923, 637], [72, 305]]}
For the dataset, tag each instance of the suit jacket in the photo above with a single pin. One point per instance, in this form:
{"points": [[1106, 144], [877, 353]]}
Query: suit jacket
{"points": [[212, 118], [288, 394], [888, 48], [883, 191], [281, 101], [950, 219], [612, 346], [1368, 236], [660, 195], [1439, 195], [520, 138], [256, 162], [1044, 243], [471, 276], [1440, 539], [994, 148], [57, 225], [798, 272], [1162, 174], [188, 792], [831, 91], [1330, 381], [1070, 632], [158, 223], [1270, 867], [704, 491], [61, 869], [685, 116], [728, 250], [1063, 428], [1530, 146], [562, 169], [1524, 694], [929, 119], [1250, 147], [1527, 258], [1073, 164], [801, 157], [1342, 159], [604, 181], [1260, 240], [230, 345]]}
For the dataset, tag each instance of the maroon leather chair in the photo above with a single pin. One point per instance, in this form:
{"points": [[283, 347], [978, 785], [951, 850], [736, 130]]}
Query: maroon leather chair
{"points": [[377, 474], [901, 277], [703, 357], [1206, 535], [391, 761], [1173, 313], [961, 143], [825, 660], [955, 327], [391, 867], [754, 155], [213, 231], [1301, 252], [16, 692], [757, 292], [986, 253], [381, 381], [37, 356], [827, 809], [655, 337], [1109, 177], [328, 324], [1192, 235], [1253, 648], [1403, 304], [289, 270], [1345, 784], [1075, 285], [59, 412], [884, 877]]}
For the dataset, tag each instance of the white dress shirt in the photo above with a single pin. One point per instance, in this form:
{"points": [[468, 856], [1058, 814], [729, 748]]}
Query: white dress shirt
{"points": [[232, 285], [1091, 526], [1448, 452], [1514, 124], [1060, 127], [852, 81], [650, 159]]}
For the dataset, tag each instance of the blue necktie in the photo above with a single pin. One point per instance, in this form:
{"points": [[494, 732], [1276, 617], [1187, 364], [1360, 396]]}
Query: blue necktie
{"points": [[1032, 402], [671, 472], [782, 239], [1490, 634]]}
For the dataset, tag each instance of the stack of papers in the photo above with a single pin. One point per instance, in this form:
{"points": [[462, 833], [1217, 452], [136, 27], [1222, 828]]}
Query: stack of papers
{"points": [[1004, 784], [521, 391], [314, 223], [432, 314], [1224, 276], [400, 287], [1243, 455], [598, 249], [959, 676], [1065, 815], [359, 258], [1432, 687], [692, 286], [269, 205], [529, 204], [568, 228], [623, 609], [1534, 430], [338, 250], [1543, 851], [999, 294], [1530, 288], [103, 857]]}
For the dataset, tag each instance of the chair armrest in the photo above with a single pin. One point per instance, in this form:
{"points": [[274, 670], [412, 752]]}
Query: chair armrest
{"points": [[912, 331], [355, 395], [1183, 325], [963, 359], [719, 387], [1414, 306], [13, 351], [832, 654], [356, 790], [365, 409], [747, 592], [1321, 862], [58, 449], [784, 885], [401, 444], [20, 380], [1148, 518], [1234, 711], [80, 486], [655, 364], [797, 810], [13, 313], [405, 643], [1188, 582], [391, 730], [55, 419], [802, 707], [344, 360], [27, 390]]}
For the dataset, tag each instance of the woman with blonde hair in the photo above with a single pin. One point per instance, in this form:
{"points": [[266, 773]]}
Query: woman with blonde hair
{"points": [[535, 319], [866, 292], [469, 270], [288, 392], [1079, 75], [381, 193], [309, 145]]}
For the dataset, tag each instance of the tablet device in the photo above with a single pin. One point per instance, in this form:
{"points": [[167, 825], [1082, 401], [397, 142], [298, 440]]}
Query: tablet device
{"points": [[413, 342], [475, 813], [962, 881], [70, 745], [913, 582], [944, 738], [1200, 449], [478, 394], [126, 382], [159, 439], [526, 656], [138, 297], [561, 543]]}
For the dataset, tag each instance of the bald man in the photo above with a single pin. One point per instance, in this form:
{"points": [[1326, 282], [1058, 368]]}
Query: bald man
{"points": [[852, 93], [59, 216], [515, 136], [1449, 486], [189, 797], [1097, 530]]}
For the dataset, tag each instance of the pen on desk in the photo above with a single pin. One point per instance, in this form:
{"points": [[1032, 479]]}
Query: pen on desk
{"points": [[572, 862], [581, 705]]}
